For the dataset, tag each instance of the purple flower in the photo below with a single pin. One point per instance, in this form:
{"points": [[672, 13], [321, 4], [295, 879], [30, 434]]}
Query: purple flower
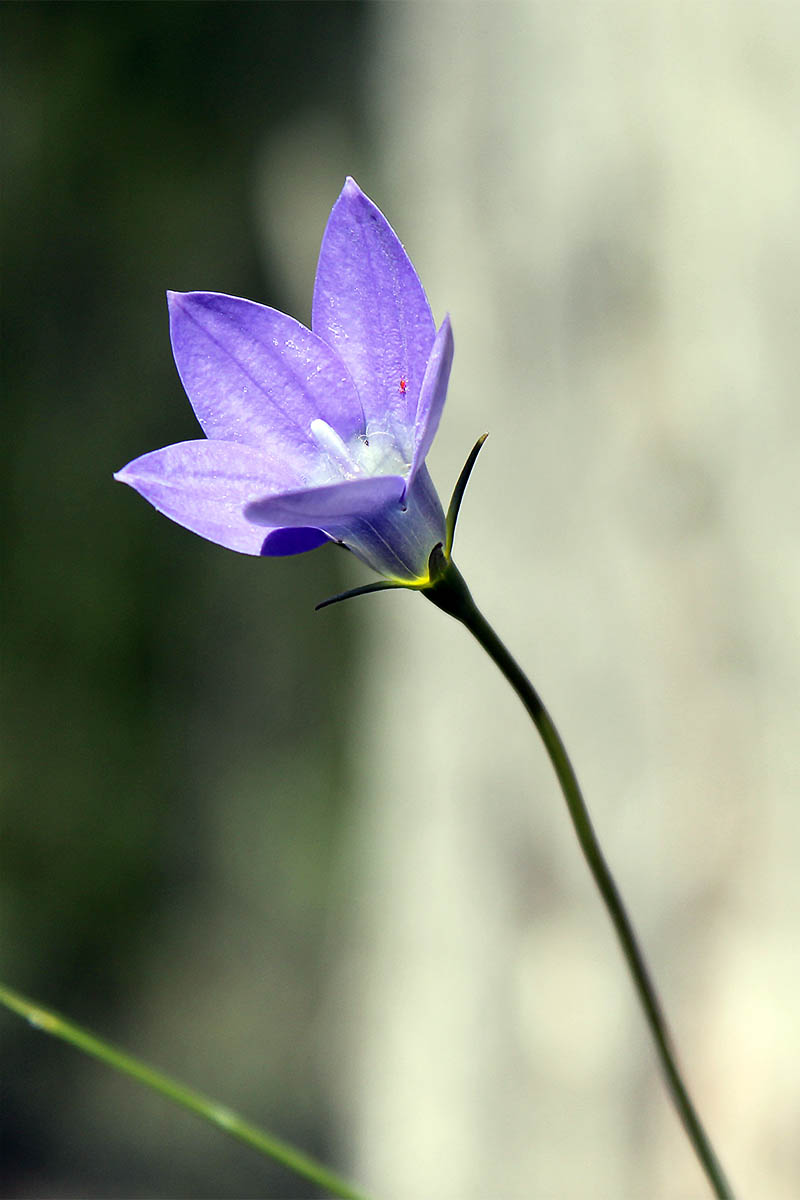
{"points": [[313, 435]]}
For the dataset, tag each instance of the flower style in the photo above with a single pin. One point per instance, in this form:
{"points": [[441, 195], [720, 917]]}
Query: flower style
{"points": [[313, 435]]}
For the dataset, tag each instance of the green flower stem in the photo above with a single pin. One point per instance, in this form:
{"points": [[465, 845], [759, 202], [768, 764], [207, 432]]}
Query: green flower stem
{"points": [[450, 592], [226, 1120]]}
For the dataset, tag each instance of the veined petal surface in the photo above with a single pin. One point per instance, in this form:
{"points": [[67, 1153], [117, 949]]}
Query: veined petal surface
{"points": [[396, 541], [329, 505], [371, 307], [432, 395], [204, 486], [257, 376]]}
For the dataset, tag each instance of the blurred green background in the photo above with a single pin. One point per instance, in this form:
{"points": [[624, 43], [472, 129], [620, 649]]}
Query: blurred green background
{"points": [[173, 777], [316, 864]]}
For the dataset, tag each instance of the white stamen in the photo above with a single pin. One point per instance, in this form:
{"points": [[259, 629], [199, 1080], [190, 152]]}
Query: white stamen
{"points": [[328, 440]]}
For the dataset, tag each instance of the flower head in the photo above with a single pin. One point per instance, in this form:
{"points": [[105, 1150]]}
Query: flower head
{"points": [[313, 435]]}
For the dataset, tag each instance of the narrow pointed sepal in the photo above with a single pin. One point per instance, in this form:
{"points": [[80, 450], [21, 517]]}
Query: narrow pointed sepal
{"points": [[458, 495], [383, 585]]}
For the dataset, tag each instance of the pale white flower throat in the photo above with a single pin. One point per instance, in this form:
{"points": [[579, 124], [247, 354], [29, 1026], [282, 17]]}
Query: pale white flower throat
{"points": [[372, 453]]}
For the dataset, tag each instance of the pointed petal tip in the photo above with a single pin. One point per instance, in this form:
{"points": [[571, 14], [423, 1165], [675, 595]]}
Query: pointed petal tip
{"points": [[352, 194], [181, 299], [177, 302]]}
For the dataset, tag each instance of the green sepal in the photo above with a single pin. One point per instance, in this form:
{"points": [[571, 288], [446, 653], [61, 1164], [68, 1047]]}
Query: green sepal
{"points": [[382, 585], [458, 495]]}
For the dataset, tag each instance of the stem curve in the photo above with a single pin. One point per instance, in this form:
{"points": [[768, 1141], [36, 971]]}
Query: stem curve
{"points": [[450, 593]]}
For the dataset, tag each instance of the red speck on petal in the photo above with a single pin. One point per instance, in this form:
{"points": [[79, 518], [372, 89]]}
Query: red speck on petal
{"points": [[403, 386]]}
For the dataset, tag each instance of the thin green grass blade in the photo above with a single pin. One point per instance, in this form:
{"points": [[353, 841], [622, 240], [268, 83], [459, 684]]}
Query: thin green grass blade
{"points": [[216, 1114]]}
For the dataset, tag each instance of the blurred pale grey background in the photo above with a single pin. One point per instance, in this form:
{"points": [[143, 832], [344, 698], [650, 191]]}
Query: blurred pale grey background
{"points": [[368, 924]]}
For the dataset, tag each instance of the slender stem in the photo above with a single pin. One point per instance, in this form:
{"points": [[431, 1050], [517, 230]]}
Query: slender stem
{"points": [[226, 1120], [451, 593]]}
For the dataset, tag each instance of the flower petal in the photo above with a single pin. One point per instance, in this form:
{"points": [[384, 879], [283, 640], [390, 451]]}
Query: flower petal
{"points": [[432, 395], [258, 377], [282, 542], [204, 486], [397, 540], [328, 506], [371, 307]]}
